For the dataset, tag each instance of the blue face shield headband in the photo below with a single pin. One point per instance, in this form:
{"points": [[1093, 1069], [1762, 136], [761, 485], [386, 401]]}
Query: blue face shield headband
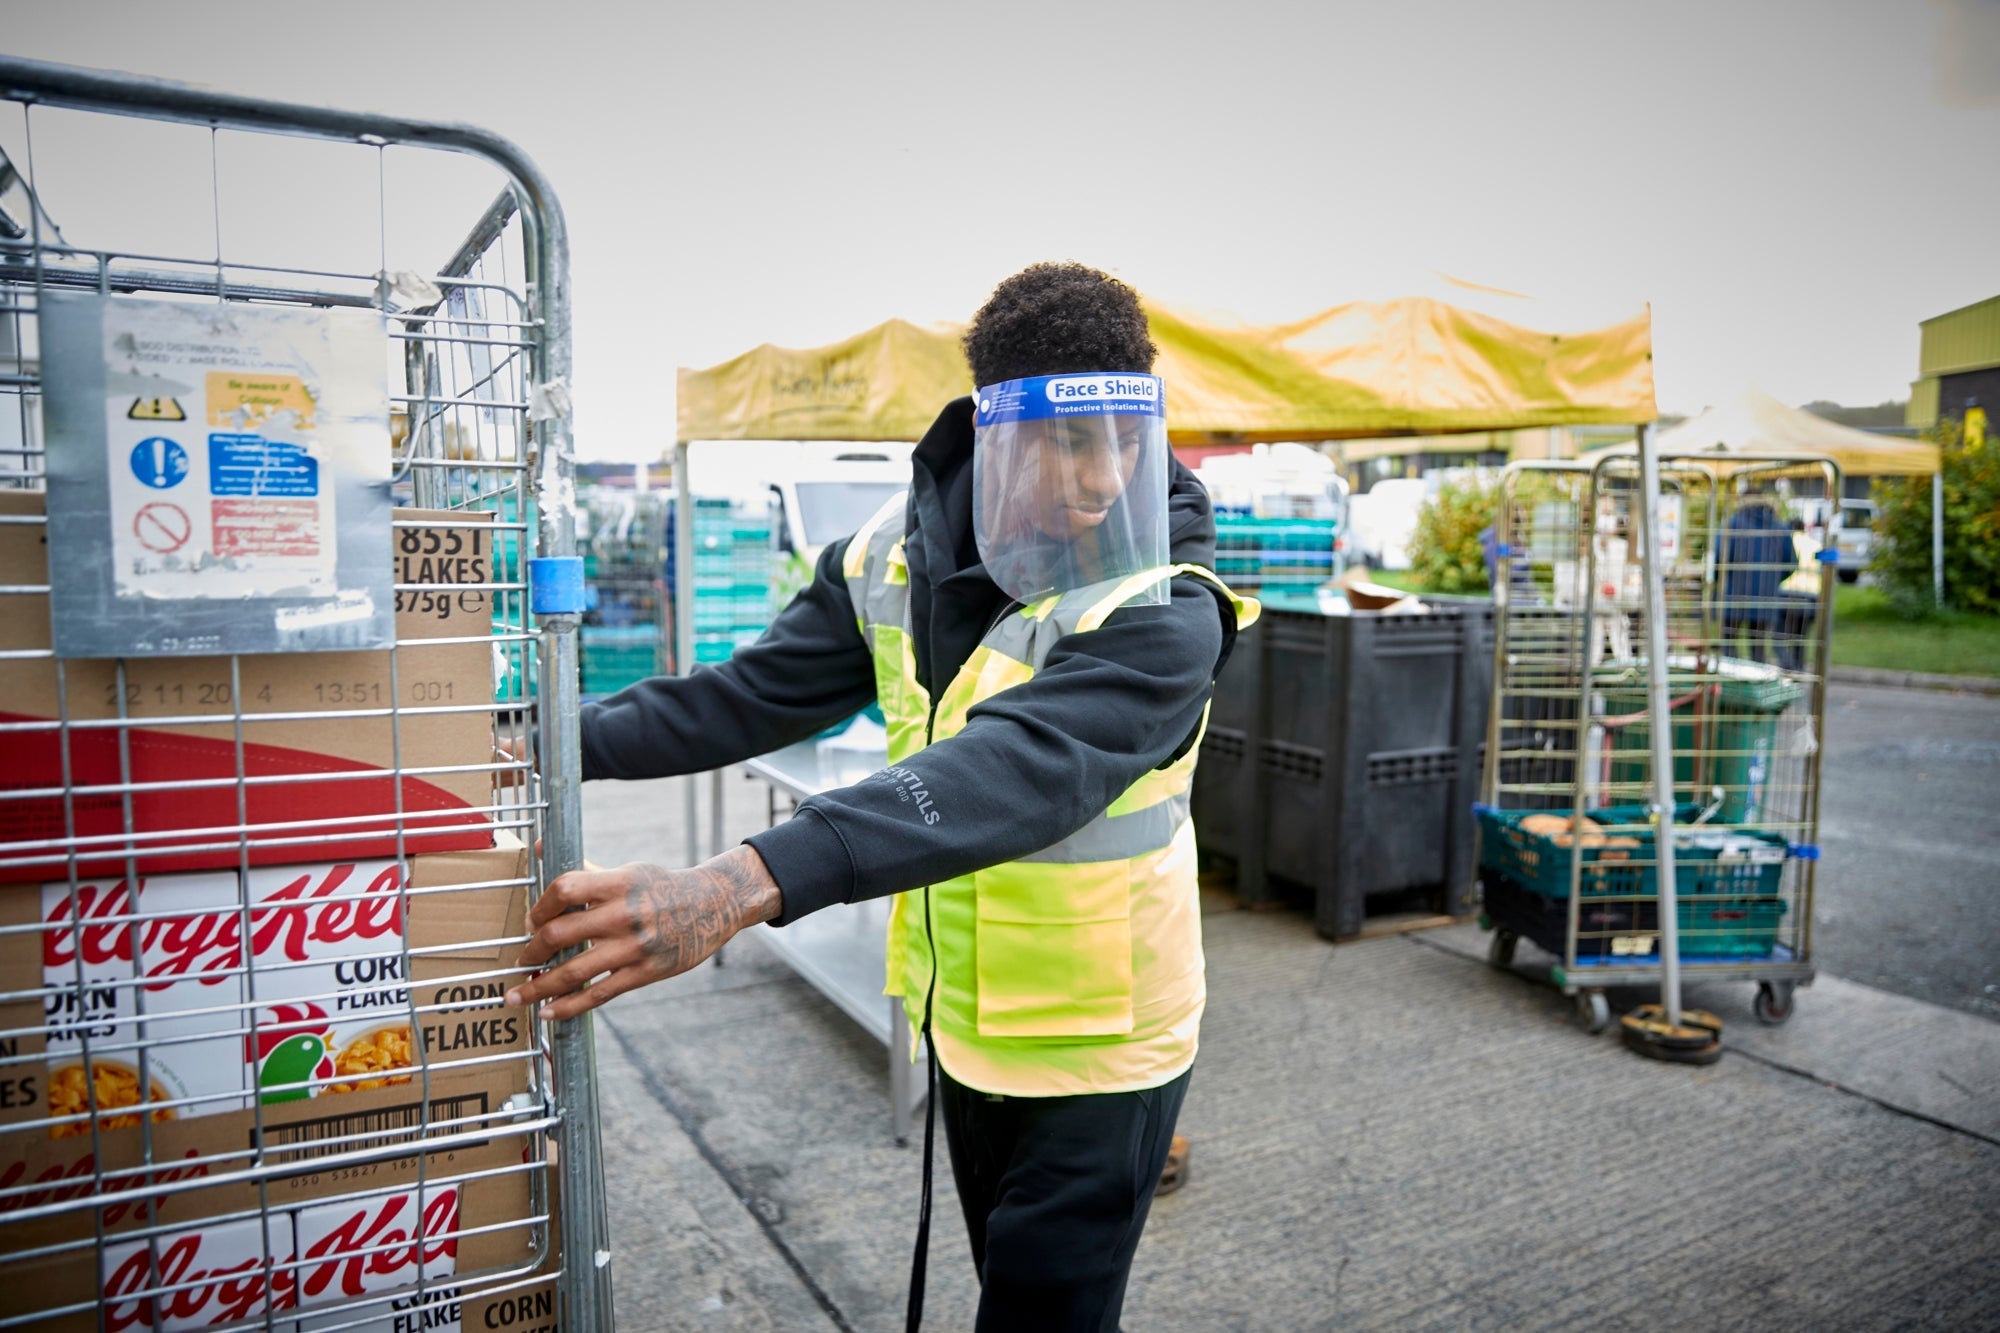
{"points": [[1071, 479]]}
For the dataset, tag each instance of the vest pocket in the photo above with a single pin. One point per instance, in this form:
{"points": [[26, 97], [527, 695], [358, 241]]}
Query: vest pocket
{"points": [[1054, 949]]}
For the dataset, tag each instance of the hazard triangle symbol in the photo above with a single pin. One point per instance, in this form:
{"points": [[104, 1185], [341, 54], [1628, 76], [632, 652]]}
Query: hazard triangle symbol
{"points": [[156, 409]]}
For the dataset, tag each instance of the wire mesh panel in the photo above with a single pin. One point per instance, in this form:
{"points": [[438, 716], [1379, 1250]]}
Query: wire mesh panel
{"points": [[258, 909], [1568, 846]]}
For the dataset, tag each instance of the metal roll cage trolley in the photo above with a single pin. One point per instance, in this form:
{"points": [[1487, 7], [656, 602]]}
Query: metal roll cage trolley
{"points": [[1634, 695], [493, 1197]]}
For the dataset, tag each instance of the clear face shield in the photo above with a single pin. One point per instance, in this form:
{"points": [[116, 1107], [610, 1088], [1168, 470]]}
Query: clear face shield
{"points": [[1071, 480]]}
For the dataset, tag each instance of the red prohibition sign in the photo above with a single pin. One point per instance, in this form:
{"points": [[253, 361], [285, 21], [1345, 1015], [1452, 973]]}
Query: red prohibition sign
{"points": [[162, 527]]}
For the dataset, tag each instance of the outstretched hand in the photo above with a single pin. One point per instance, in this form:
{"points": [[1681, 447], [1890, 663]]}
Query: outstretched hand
{"points": [[640, 923]]}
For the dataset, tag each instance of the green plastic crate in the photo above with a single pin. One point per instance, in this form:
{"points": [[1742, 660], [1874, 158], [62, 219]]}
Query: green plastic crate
{"points": [[1623, 931], [1541, 865]]}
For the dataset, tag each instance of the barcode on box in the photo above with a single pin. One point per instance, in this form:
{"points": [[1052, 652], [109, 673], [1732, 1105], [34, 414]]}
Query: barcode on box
{"points": [[325, 1136]]}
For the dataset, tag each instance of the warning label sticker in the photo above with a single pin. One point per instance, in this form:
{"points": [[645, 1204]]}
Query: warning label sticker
{"points": [[248, 401], [266, 527], [162, 527], [155, 409], [243, 420]]}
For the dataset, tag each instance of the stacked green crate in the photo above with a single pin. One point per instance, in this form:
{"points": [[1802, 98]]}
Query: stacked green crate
{"points": [[735, 558], [622, 539], [513, 657], [1274, 554], [614, 656]]}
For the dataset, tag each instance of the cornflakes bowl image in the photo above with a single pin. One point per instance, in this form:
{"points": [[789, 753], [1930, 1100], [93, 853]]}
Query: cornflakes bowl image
{"points": [[117, 1086], [368, 1061]]}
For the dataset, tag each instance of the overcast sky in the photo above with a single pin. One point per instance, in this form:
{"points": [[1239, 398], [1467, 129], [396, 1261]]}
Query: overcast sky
{"points": [[1792, 186]]}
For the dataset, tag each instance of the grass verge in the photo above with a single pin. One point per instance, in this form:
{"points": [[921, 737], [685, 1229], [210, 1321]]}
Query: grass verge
{"points": [[1868, 632], [1402, 580]]}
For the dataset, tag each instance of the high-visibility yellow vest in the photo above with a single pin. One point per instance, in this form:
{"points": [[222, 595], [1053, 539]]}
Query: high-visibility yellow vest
{"points": [[1077, 969]]}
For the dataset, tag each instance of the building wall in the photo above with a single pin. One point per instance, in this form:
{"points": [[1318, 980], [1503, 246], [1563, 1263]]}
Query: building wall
{"points": [[1972, 388], [1964, 339], [1962, 345]]}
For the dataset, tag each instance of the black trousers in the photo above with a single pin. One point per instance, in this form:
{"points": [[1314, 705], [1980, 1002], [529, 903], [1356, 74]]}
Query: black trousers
{"points": [[1055, 1192]]}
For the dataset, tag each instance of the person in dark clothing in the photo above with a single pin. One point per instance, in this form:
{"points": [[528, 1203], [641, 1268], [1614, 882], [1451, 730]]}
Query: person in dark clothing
{"points": [[1757, 556], [1041, 747]]}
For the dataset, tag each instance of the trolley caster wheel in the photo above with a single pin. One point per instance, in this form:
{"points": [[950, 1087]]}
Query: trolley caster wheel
{"points": [[1593, 1011], [1500, 953], [1773, 1004], [1648, 1032]]}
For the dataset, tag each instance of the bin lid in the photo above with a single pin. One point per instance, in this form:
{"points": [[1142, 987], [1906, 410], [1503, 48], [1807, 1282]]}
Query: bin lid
{"points": [[1746, 686]]}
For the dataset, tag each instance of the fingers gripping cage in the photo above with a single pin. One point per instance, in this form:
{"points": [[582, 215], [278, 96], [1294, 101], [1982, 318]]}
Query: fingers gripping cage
{"points": [[384, 1145]]}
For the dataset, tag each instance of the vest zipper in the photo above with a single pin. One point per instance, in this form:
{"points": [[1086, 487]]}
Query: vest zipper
{"points": [[913, 1314]]}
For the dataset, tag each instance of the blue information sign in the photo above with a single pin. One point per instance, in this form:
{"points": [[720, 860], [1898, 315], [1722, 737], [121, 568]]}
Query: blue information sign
{"points": [[159, 462], [253, 465]]}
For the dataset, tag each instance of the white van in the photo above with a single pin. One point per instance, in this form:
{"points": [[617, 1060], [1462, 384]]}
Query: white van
{"points": [[823, 490], [1854, 532], [1384, 519]]}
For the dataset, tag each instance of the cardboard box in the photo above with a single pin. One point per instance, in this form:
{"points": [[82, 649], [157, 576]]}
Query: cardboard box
{"points": [[316, 1007], [352, 1153], [322, 1254], [312, 779], [59, 1190]]}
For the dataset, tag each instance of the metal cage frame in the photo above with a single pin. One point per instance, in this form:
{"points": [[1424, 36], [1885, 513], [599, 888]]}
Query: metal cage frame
{"points": [[569, 1180], [1546, 683]]}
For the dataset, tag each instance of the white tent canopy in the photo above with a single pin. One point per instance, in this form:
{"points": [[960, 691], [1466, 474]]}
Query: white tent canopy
{"points": [[1756, 423]]}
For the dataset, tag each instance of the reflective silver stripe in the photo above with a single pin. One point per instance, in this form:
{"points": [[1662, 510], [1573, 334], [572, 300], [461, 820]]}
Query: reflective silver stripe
{"points": [[1120, 837], [876, 600], [888, 603], [1029, 638], [1024, 638], [864, 537], [1119, 594], [1074, 606]]}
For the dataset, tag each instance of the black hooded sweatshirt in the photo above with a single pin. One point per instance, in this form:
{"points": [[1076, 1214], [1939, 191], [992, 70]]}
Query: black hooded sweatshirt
{"points": [[1032, 765]]}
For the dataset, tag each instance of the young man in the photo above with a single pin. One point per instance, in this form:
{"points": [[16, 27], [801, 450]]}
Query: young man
{"points": [[1039, 624]]}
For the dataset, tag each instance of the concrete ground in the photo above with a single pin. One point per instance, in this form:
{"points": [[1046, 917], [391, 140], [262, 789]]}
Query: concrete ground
{"points": [[1909, 887], [1390, 1134]]}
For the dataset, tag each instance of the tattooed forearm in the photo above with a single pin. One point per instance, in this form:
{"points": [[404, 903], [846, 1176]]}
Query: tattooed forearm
{"points": [[612, 930], [681, 917]]}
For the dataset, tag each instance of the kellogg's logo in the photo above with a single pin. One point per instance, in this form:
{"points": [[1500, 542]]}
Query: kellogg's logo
{"points": [[366, 1252], [79, 1180], [222, 1274], [208, 945]]}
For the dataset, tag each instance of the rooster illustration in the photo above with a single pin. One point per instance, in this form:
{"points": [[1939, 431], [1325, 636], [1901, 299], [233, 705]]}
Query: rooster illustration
{"points": [[292, 1045]]}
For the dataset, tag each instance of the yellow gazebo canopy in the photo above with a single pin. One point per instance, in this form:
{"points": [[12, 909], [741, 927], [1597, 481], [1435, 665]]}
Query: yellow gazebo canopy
{"points": [[1409, 367]]}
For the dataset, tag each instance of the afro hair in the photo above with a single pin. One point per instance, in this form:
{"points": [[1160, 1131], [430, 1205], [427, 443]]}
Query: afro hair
{"points": [[1058, 319]]}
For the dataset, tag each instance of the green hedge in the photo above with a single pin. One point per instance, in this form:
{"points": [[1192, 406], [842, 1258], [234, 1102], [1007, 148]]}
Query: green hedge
{"points": [[1902, 555], [1445, 555]]}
